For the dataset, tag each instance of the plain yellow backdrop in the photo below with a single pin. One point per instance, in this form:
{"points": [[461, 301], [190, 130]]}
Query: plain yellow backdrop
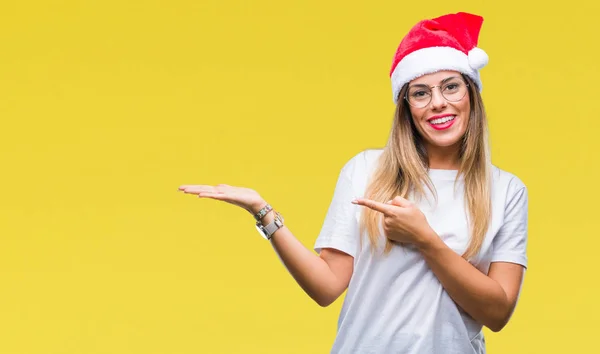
{"points": [[108, 106]]}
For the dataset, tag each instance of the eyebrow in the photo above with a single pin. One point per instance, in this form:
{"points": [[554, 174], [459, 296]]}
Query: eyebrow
{"points": [[441, 82]]}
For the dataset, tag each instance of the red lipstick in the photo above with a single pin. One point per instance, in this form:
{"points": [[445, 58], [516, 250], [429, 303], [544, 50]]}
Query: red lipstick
{"points": [[442, 121]]}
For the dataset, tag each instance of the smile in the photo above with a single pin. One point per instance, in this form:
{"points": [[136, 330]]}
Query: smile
{"points": [[441, 123]]}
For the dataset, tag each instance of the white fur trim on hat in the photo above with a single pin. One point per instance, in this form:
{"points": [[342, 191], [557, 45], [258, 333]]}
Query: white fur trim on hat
{"points": [[433, 59]]}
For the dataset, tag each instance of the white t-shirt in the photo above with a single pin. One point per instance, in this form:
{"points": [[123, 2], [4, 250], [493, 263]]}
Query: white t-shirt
{"points": [[394, 302]]}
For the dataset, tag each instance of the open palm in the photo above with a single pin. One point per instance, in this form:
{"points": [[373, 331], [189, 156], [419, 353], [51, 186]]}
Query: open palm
{"points": [[245, 198]]}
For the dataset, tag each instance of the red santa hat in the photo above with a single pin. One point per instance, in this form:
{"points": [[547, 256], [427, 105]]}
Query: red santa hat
{"points": [[448, 42]]}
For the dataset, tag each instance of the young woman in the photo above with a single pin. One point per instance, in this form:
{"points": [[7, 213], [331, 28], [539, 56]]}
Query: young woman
{"points": [[436, 247]]}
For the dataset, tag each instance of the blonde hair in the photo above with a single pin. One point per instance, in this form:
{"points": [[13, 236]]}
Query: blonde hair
{"points": [[403, 165]]}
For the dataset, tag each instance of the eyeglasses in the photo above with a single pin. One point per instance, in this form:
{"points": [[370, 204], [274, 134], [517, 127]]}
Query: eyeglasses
{"points": [[453, 90]]}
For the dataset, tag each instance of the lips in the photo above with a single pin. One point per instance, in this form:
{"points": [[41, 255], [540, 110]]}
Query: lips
{"points": [[441, 122]]}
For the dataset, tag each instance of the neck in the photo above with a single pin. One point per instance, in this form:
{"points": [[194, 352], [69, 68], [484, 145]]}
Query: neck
{"points": [[444, 158]]}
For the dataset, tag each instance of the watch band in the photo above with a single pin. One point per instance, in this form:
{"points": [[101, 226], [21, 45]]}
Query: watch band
{"points": [[268, 230], [272, 227], [262, 212]]}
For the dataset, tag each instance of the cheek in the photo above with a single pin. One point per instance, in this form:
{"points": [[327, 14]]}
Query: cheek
{"points": [[465, 112], [465, 107], [417, 119], [417, 115]]}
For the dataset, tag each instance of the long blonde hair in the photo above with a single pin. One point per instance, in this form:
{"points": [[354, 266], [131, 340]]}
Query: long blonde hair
{"points": [[403, 165]]}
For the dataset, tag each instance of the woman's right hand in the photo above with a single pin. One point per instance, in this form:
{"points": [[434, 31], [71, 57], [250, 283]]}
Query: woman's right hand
{"points": [[245, 198]]}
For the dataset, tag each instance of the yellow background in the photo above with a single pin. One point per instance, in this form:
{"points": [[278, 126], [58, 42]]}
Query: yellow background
{"points": [[108, 106]]}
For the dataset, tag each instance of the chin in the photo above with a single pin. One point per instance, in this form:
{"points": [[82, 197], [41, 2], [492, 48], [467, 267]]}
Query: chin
{"points": [[450, 138], [446, 142]]}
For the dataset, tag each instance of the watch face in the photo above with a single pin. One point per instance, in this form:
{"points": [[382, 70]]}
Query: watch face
{"points": [[268, 230], [261, 231]]}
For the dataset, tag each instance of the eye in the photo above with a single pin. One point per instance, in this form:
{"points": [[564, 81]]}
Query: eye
{"points": [[419, 93], [452, 87]]}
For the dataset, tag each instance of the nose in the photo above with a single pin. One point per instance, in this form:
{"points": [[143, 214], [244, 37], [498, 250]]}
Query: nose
{"points": [[437, 100]]}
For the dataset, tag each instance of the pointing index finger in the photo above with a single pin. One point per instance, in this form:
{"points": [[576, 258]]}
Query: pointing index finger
{"points": [[381, 207]]}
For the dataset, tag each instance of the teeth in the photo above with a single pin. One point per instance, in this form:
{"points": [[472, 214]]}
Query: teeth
{"points": [[442, 120]]}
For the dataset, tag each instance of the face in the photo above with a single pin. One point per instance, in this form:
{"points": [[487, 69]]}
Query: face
{"points": [[440, 113]]}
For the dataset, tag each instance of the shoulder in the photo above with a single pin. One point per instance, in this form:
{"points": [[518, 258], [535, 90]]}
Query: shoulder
{"points": [[359, 167], [507, 184], [362, 162]]}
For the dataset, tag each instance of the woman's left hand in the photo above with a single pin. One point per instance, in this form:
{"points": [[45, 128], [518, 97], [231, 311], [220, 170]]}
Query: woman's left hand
{"points": [[403, 221]]}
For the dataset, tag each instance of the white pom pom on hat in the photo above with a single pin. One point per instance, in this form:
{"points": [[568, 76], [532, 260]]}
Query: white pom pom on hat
{"points": [[478, 58], [448, 42]]}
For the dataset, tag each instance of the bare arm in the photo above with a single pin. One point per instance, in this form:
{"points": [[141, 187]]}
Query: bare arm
{"points": [[489, 299], [324, 278]]}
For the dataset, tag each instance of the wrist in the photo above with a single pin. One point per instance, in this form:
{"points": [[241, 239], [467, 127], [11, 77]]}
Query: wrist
{"points": [[257, 206], [427, 240]]}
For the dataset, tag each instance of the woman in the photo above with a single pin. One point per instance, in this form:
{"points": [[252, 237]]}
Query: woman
{"points": [[436, 249]]}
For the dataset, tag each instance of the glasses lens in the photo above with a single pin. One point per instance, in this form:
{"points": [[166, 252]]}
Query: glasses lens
{"points": [[419, 96], [454, 90]]}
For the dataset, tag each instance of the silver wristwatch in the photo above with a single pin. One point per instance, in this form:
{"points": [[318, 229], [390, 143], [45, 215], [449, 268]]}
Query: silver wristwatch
{"points": [[267, 231]]}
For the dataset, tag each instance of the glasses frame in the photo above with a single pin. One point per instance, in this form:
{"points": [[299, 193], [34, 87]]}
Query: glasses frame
{"points": [[431, 97]]}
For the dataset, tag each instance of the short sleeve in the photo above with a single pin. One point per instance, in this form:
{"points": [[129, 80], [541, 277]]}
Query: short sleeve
{"points": [[340, 228], [510, 243]]}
